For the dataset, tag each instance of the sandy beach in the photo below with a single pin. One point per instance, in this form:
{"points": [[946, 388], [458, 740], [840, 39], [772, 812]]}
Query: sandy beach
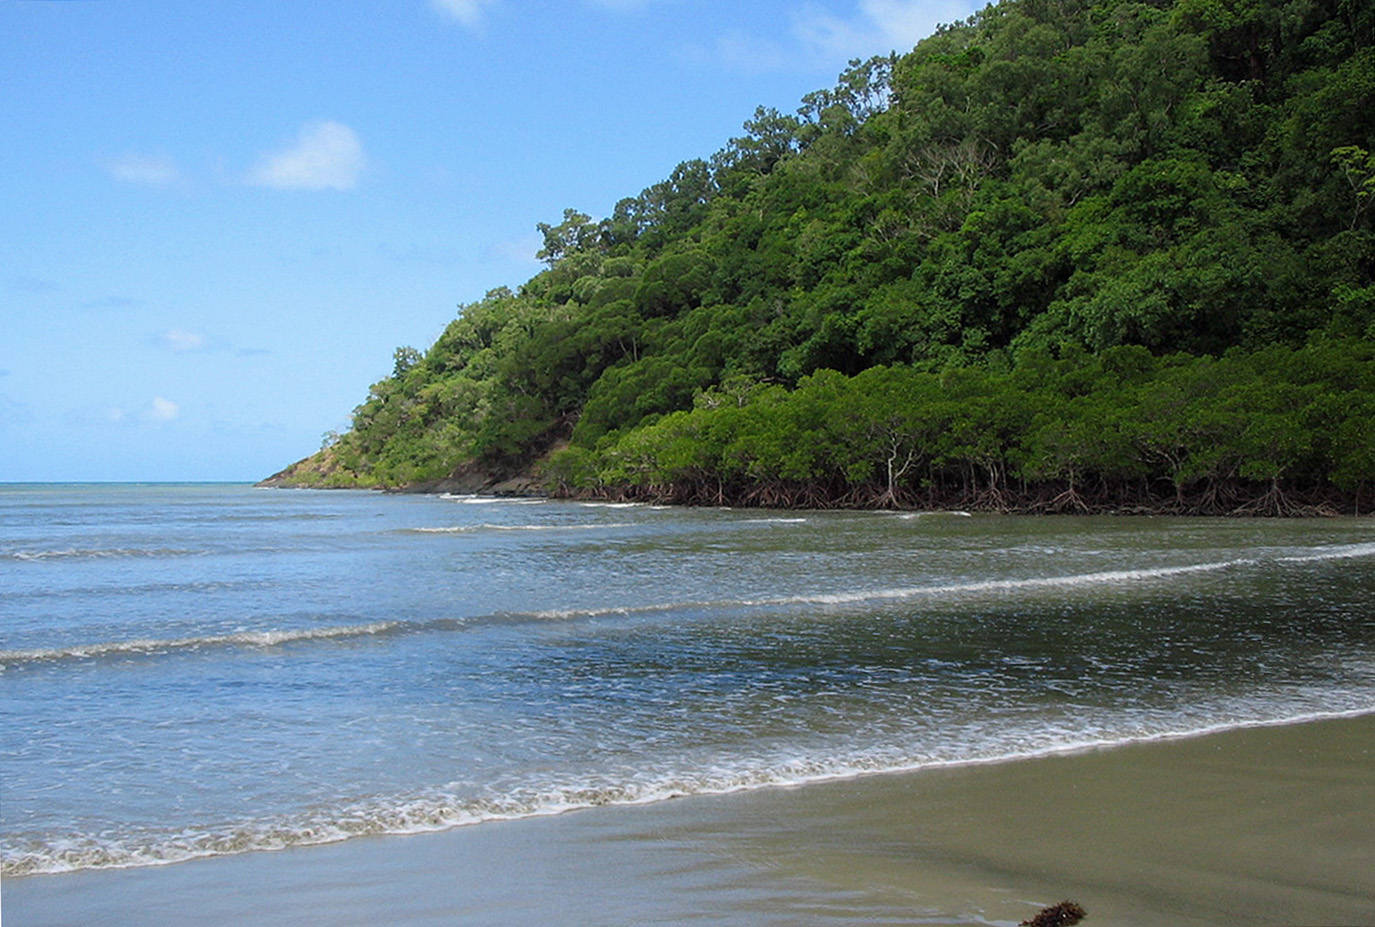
{"points": [[1271, 825]]}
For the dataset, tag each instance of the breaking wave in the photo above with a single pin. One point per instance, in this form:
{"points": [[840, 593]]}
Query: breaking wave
{"points": [[487, 526], [492, 500], [273, 638], [150, 646], [95, 553], [1336, 552]]}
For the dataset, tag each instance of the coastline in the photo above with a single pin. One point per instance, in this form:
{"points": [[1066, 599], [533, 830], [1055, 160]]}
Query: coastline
{"points": [[1266, 824], [1233, 500]]}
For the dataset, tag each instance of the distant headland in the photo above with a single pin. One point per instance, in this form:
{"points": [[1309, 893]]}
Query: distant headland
{"points": [[1061, 257]]}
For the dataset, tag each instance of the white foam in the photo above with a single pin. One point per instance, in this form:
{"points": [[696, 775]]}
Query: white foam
{"points": [[909, 516], [1107, 577], [491, 500], [849, 597], [1337, 552], [487, 526], [153, 646], [428, 813], [86, 553]]}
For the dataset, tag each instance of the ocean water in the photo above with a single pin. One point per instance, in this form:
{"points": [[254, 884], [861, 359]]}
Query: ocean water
{"points": [[197, 670]]}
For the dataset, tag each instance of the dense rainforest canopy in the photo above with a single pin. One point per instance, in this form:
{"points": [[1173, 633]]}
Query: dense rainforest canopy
{"points": [[1067, 255]]}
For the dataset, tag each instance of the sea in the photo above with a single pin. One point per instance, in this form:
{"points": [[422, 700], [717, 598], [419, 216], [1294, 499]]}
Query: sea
{"points": [[201, 670]]}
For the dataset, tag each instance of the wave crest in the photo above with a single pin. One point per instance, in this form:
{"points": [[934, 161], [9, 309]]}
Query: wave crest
{"points": [[850, 597], [151, 646], [95, 553], [488, 526]]}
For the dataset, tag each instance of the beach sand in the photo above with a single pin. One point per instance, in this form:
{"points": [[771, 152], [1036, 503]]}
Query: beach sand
{"points": [[1271, 825]]}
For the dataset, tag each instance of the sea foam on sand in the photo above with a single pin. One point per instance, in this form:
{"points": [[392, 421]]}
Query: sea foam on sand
{"points": [[1271, 825]]}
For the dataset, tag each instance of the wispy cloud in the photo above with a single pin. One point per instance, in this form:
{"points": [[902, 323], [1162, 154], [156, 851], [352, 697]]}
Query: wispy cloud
{"points": [[821, 37], [875, 26], [326, 156], [185, 341], [147, 170], [159, 409], [162, 409], [94, 416], [468, 12], [182, 341]]}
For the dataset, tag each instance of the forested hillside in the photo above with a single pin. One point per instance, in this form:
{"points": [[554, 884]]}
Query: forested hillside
{"points": [[1069, 254]]}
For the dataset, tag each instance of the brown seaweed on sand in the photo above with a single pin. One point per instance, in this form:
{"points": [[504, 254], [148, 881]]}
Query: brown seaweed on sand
{"points": [[1057, 915]]}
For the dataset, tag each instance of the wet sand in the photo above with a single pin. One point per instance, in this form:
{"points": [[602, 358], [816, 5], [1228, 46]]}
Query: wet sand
{"points": [[1261, 826]]}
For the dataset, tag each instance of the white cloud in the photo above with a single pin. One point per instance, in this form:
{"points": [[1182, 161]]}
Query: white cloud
{"points": [[820, 38], [326, 156], [182, 341], [159, 409], [96, 416], [875, 27], [162, 410], [468, 12], [149, 170], [904, 23], [826, 35]]}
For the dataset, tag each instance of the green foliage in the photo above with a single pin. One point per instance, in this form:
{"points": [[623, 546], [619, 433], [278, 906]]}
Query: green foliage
{"points": [[1057, 434], [1069, 244]]}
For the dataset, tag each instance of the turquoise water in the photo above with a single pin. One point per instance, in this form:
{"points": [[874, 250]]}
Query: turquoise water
{"points": [[198, 670]]}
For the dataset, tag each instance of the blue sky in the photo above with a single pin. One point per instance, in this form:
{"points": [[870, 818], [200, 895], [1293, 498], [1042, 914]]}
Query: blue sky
{"points": [[221, 217]]}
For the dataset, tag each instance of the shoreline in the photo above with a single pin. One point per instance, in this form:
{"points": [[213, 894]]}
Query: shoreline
{"points": [[460, 816], [1270, 823], [1239, 502]]}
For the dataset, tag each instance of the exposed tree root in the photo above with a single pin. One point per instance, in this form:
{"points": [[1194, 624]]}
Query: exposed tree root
{"points": [[1220, 497], [1068, 501]]}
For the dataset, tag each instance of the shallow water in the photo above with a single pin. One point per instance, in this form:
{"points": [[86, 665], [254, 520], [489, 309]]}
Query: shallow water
{"points": [[1269, 825], [198, 670]]}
